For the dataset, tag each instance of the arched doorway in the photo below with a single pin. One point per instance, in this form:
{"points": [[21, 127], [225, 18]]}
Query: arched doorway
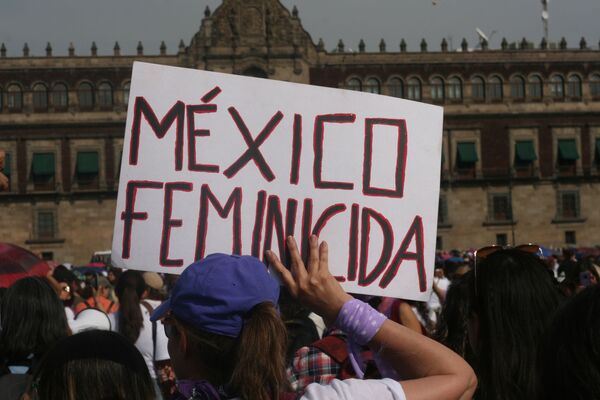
{"points": [[255, 72]]}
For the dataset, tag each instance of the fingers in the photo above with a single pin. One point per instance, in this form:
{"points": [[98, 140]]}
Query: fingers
{"points": [[297, 268], [323, 258], [286, 276], [313, 255]]}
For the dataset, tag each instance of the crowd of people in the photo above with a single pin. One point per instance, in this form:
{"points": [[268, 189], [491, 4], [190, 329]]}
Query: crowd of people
{"points": [[501, 323]]}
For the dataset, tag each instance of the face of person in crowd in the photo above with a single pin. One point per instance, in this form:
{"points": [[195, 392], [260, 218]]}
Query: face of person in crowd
{"points": [[111, 277], [586, 278], [65, 291], [438, 273], [103, 291]]}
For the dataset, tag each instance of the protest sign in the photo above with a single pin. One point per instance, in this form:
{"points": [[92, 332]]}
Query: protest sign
{"points": [[223, 163]]}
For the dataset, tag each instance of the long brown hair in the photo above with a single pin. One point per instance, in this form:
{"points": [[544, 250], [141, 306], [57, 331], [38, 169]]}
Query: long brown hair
{"points": [[251, 366], [130, 289]]}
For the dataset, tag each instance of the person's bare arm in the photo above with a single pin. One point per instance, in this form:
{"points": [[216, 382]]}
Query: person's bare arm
{"points": [[433, 371]]}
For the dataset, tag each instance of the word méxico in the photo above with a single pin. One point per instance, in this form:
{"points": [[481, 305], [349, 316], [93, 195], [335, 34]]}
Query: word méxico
{"points": [[182, 116]]}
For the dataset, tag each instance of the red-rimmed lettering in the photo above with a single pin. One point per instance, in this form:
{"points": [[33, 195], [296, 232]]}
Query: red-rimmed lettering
{"points": [[415, 232], [170, 223], [234, 202], [176, 113], [320, 121], [253, 151], [129, 215], [401, 151]]}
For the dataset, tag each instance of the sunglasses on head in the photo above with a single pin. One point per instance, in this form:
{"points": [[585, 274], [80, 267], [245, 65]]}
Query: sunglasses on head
{"points": [[487, 251]]}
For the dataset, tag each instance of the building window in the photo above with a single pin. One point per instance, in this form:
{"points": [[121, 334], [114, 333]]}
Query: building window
{"points": [[442, 211], [557, 87], [501, 239], [396, 87], [40, 97], [597, 153], [570, 238], [517, 88], [437, 89], [595, 85], [499, 207], [574, 87], [567, 156], [45, 225], [43, 171], [14, 98], [87, 169], [354, 84], [439, 243], [126, 88], [1, 104], [495, 88], [372, 86], [414, 89], [535, 88], [525, 157], [568, 205], [466, 159], [455, 89], [105, 95], [255, 72], [60, 94], [85, 95], [478, 89]]}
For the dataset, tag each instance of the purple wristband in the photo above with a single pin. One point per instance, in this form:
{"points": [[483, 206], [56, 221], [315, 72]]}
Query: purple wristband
{"points": [[359, 320]]}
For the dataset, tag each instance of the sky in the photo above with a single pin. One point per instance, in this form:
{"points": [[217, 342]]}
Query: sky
{"points": [[152, 21]]}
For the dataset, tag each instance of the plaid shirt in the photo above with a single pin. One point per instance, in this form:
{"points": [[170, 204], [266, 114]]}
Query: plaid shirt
{"points": [[311, 365]]}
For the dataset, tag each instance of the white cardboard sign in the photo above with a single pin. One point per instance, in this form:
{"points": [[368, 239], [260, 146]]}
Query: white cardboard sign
{"points": [[223, 163]]}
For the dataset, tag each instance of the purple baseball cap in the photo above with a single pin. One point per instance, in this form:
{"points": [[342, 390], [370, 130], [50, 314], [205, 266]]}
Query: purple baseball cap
{"points": [[215, 293]]}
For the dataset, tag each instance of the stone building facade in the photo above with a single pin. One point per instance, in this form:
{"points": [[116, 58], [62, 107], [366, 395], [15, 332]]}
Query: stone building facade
{"points": [[521, 150]]}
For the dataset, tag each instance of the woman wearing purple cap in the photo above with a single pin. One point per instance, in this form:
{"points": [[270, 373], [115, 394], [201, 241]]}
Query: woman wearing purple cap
{"points": [[226, 339]]}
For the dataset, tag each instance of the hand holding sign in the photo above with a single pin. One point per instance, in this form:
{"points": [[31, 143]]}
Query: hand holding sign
{"points": [[313, 285]]}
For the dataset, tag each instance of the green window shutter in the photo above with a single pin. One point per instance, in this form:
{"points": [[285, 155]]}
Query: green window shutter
{"points": [[43, 164], [7, 164], [524, 151], [87, 162], [466, 152], [567, 150], [598, 150]]}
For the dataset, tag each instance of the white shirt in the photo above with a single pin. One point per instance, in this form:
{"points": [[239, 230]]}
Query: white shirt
{"points": [[356, 389], [434, 300], [144, 342], [70, 315]]}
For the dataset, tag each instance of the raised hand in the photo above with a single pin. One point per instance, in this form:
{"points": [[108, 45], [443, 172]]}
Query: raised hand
{"points": [[312, 285]]}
